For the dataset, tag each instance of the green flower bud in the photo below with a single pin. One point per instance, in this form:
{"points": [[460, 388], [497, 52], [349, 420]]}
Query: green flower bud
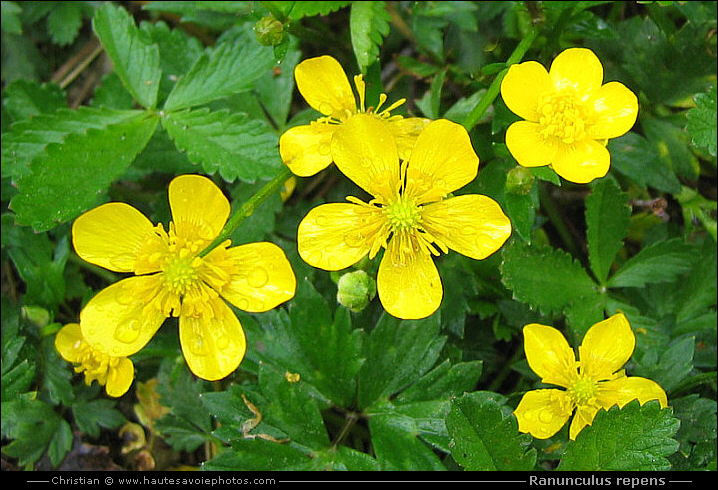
{"points": [[269, 31], [519, 181], [355, 290], [36, 315]]}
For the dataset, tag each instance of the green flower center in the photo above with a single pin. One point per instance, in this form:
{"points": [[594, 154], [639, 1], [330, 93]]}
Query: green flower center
{"points": [[403, 215], [180, 274], [583, 391], [562, 116]]}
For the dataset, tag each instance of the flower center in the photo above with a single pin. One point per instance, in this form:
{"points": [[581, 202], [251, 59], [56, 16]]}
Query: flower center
{"points": [[562, 116], [180, 273], [93, 363], [403, 215], [584, 391]]}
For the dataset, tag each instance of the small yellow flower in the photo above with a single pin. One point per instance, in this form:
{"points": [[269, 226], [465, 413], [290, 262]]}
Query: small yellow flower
{"points": [[594, 382], [410, 215], [324, 85], [569, 115], [115, 373], [171, 279]]}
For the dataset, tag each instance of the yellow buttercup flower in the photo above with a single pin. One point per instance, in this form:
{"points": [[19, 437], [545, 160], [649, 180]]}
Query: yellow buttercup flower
{"points": [[410, 215], [594, 382], [115, 373], [172, 279], [324, 85], [568, 114]]}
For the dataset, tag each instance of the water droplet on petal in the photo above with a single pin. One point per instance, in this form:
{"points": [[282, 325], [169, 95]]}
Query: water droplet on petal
{"points": [[128, 332], [354, 239], [545, 416], [258, 277], [325, 108], [222, 342]]}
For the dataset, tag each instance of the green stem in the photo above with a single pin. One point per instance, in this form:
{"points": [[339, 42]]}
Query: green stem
{"points": [[493, 91], [248, 208]]}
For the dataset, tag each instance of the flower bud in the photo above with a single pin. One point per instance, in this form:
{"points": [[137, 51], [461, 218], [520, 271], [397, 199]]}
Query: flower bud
{"points": [[355, 290], [269, 31], [519, 181]]}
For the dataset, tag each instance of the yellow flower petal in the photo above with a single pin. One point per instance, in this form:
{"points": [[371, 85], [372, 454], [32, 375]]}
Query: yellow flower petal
{"points": [[199, 208], [584, 416], [122, 318], [262, 277], [528, 146], [325, 86], [112, 236], [443, 160], [406, 130], [616, 109], [625, 389], [364, 150], [578, 69], [549, 355], [408, 283], [582, 162], [337, 235], [472, 225], [68, 342], [522, 88], [606, 347], [120, 377], [542, 413], [306, 150], [213, 343]]}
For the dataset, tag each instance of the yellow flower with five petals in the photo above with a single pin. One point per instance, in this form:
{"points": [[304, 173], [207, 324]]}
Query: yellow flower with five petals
{"points": [[173, 279], [594, 382], [306, 149], [569, 114], [410, 215], [114, 373]]}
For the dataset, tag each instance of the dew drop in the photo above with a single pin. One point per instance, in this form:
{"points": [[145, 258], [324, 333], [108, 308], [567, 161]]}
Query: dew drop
{"points": [[198, 347], [222, 342], [128, 332], [545, 417], [354, 239], [468, 230], [243, 304], [325, 108], [258, 277]]}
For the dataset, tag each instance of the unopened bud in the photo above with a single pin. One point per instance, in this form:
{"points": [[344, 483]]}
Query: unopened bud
{"points": [[269, 31], [519, 181], [355, 290]]}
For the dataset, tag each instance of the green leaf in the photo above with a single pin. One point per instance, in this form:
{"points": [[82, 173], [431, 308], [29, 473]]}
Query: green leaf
{"points": [[233, 145], [259, 455], [35, 428], [11, 23], [663, 261], [135, 58], [32, 253], [332, 346], [64, 22], [635, 438], [180, 433], [368, 25], [292, 407], [485, 435], [66, 177], [229, 68], [16, 380], [443, 382], [399, 449], [180, 391], [697, 434], [544, 277], [29, 139], [669, 137], [299, 10], [702, 121], [607, 219], [633, 156], [398, 352], [522, 211], [25, 98], [92, 415], [668, 365]]}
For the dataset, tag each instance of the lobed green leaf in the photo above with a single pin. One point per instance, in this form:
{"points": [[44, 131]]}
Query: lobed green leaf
{"points": [[635, 438], [368, 25], [135, 58], [663, 261]]}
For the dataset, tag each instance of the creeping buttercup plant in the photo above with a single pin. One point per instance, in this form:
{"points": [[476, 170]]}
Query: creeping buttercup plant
{"points": [[498, 253]]}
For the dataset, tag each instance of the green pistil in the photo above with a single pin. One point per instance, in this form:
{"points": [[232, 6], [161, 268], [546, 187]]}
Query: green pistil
{"points": [[403, 215]]}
